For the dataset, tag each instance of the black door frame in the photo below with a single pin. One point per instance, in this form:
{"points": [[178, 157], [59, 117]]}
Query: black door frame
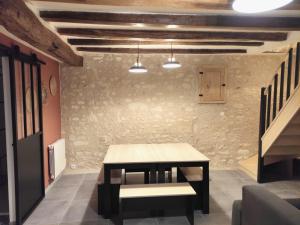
{"points": [[13, 53]]}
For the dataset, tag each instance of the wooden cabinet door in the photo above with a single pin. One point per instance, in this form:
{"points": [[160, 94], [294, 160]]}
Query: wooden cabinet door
{"points": [[212, 84]]}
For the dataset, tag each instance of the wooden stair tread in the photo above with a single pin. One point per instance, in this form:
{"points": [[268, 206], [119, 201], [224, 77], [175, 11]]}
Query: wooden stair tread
{"points": [[250, 166], [156, 190]]}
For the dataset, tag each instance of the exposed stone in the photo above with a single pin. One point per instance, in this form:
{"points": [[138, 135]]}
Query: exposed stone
{"points": [[103, 104]]}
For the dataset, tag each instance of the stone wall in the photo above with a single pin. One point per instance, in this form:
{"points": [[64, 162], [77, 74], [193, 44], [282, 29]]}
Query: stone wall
{"points": [[103, 104]]}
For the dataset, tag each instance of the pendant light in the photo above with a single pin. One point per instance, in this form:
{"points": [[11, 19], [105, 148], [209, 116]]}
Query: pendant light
{"points": [[257, 6], [137, 66], [172, 63]]}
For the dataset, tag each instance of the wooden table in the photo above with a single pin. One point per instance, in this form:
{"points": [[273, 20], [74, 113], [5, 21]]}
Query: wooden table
{"points": [[155, 157]]}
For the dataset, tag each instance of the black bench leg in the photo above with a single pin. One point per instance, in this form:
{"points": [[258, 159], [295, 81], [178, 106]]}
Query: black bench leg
{"points": [[146, 176], [180, 177], [120, 217], [197, 185], [100, 199], [170, 176], [161, 175], [152, 176], [190, 209]]}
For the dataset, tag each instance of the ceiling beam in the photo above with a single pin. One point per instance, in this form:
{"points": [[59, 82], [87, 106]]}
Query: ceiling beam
{"points": [[102, 42], [19, 20], [162, 51], [187, 4], [168, 4], [184, 35], [184, 20]]}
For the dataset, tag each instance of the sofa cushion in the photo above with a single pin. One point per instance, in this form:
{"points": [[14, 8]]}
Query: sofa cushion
{"points": [[261, 207]]}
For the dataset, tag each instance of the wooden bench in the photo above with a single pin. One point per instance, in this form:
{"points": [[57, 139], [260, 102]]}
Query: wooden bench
{"points": [[194, 176], [133, 175], [116, 181], [145, 173], [157, 197]]}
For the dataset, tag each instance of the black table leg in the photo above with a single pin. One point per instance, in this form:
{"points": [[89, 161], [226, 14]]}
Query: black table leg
{"points": [[146, 176], [205, 192], [107, 189], [161, 175], [152, 176]]}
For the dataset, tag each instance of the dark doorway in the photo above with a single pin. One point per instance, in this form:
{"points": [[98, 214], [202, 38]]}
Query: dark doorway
{"points": [[26, 105], [4, 207], [27, 129]]}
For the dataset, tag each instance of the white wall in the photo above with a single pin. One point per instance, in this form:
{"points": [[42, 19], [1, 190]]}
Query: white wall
{"points": [[9, 140]]}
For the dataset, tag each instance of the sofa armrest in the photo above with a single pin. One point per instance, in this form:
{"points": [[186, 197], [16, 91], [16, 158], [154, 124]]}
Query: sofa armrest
{"points": [[237, 213], [260, 206]]}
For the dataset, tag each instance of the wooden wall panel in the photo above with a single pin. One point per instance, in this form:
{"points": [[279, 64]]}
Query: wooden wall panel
{"points": [[212, 84]]}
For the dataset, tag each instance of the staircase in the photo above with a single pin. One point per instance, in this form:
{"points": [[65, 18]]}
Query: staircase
{"points": [[249, 166], [278, 155]]}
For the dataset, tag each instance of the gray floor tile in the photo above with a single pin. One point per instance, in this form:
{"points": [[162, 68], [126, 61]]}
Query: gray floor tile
{"points": [[87, 191], [213, 219], [48, 212], [73, 201], [69, 180], [147, 221], [91, 177], [182, 220], [61, 193], [98, 222], [82, 210]]}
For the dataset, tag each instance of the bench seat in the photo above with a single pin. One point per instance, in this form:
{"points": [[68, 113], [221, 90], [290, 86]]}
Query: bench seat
{"points": [[155, 190], [192, 173], [157, 198]]}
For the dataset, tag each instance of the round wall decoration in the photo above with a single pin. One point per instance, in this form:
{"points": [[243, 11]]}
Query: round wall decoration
{"points": [[53, 85], [44, 94]]}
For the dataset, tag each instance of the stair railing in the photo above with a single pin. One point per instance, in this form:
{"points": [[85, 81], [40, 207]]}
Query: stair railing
{"points": [[275, 96], [282, 86]]}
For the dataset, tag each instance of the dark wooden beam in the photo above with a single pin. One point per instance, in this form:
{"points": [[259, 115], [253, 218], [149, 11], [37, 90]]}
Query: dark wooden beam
{"points": [[19, 20], [184, 21], [184, 35], [168, 4], [162, 51], [103, 42]]}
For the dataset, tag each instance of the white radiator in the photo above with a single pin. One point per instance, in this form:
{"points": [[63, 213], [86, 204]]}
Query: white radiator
{"points": [[57, 158]]}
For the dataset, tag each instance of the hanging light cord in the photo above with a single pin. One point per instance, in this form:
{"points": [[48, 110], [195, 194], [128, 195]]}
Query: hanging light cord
{"points": [[138, 56], [172, 51]]}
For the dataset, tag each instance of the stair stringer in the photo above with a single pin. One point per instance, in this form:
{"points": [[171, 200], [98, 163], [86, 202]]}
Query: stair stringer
{"points": [[281, 122]]}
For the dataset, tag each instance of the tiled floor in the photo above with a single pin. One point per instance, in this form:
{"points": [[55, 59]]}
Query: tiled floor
{"points": [[73, 201]]}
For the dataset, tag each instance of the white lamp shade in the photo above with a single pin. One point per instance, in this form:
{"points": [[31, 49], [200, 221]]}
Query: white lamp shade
{"points": [[172, 64], [138, 68], [257, 6]]}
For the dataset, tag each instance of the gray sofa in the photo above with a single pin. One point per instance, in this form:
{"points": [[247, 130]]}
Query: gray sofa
{"points": [[261, 207]]}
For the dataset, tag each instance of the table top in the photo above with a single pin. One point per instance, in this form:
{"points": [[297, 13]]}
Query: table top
{"points": [[153, 153]]}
